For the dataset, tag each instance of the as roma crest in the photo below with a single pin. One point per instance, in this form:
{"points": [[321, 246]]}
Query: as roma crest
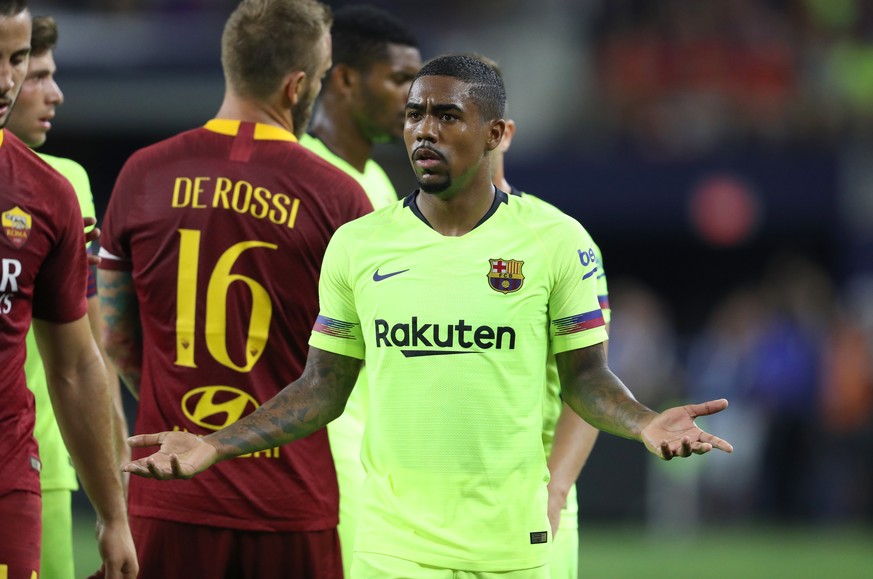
{"points": [[505, 275], [16, 225]]}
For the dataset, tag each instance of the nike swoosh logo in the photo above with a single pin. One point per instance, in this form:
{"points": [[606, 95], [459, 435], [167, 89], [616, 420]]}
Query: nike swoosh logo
{"points": [[377, 277]]}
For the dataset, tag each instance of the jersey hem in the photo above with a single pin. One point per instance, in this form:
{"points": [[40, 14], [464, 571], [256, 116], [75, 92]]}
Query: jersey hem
{"points": [[115, 264], [329, 345], [495, 566], [594, 337], [212, 520]]}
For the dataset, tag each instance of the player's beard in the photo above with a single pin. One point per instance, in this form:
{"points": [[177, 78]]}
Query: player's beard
{"points": [[434, 188], [301, 113]]}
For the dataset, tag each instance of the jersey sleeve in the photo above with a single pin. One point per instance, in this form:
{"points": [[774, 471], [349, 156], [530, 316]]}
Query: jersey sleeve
{"points": [[576, 319], [337, 328], [59, 289], [114, 241], [602, 287]]}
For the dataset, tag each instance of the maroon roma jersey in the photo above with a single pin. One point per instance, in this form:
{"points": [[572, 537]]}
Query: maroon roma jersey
{"points": [[223, 229], [43, 272]]}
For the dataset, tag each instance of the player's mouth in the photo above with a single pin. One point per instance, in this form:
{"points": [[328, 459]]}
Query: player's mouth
{"points": [[45, 123], [426, 158]]}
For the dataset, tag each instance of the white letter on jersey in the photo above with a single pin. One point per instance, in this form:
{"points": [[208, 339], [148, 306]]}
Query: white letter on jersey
{"points": [[11, 271]]}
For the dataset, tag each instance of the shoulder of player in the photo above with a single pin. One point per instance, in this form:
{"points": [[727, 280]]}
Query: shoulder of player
{"points": [[65, 166], [538, 213], [163, 151], [326, 172], [42, 173], [374, 168]]}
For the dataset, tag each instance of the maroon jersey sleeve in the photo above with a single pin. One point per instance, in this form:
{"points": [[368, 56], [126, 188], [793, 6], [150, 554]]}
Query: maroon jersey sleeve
{"points": [[114, 240], [59, 291]]}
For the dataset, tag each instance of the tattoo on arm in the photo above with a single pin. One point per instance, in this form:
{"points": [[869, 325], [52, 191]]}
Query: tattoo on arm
{"points": [[591, 389], [122, 332], [301, 408]]}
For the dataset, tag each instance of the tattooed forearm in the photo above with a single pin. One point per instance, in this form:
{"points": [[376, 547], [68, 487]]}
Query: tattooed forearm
{"points": [[301, 408], [122, 332], [598, 396]]}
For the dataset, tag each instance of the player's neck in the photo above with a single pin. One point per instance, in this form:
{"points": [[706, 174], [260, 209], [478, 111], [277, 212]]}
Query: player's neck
{"points": [[498, 177], [338, 132], [457, 215], [250, 111]]}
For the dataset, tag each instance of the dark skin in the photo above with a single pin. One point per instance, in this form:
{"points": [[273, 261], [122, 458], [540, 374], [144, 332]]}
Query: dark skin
{"points": [[358, 108], [448, 142]]}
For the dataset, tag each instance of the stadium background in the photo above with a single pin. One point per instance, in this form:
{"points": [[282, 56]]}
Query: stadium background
{"points": [[719, 152]]}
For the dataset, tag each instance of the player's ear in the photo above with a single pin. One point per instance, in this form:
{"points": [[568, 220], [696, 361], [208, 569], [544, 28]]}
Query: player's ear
{"points": [[346, 78], [294, 86], [506, 142], [495, 134]]}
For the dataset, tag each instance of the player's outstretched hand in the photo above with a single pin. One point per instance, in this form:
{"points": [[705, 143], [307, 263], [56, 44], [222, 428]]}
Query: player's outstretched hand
{"points": [[674, 433], [182, 455]]}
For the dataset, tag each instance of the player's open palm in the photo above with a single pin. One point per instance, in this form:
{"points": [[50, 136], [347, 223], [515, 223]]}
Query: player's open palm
{"points": [[182, 455], [674, 433]]}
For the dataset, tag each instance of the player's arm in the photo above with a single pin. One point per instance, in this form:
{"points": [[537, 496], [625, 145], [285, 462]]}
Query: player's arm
{"points": [[121, 330], [77, 386], [591, 389], [119, 420], [302, 407]]}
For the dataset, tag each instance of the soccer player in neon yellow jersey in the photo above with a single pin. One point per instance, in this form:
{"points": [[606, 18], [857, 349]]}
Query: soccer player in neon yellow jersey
{"points": [[454, 298], [375, 58], [30, 121], [568, 440]]}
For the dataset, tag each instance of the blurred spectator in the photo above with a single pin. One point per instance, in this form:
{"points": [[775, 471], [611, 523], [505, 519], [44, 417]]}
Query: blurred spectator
{"points": [[721, 363], [846, 467], [787, 367]]}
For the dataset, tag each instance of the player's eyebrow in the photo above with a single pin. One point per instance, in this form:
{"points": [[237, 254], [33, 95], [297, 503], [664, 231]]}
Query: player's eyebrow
{"points": [[436, 108]]}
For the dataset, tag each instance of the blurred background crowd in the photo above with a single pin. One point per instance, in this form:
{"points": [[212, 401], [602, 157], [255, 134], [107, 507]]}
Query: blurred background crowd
{"points": [[719, 152]]}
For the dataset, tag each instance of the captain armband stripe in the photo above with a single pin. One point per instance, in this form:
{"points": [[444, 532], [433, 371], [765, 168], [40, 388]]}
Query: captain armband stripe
{"points": [[334, 328], [112, 257], [578, 323]]}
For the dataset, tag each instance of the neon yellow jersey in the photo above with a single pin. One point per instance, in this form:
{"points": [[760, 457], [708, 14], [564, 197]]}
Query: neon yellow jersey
{"points": [[455, 333], [57, 470], [374, 181]]}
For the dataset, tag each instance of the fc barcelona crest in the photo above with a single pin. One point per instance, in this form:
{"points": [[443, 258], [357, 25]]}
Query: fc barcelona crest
{"points": [[16, 225], [505, 275]]}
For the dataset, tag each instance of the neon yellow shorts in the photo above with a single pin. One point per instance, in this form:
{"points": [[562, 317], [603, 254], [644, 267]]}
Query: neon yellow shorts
{"points": [[56, 558], [565, 553]]}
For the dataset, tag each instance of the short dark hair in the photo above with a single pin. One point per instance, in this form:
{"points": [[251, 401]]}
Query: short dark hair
{"points": [[12, 7], [264, 40], [486, 85], [496, 66], [361, 34], [44, 36], [489, 61]]}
